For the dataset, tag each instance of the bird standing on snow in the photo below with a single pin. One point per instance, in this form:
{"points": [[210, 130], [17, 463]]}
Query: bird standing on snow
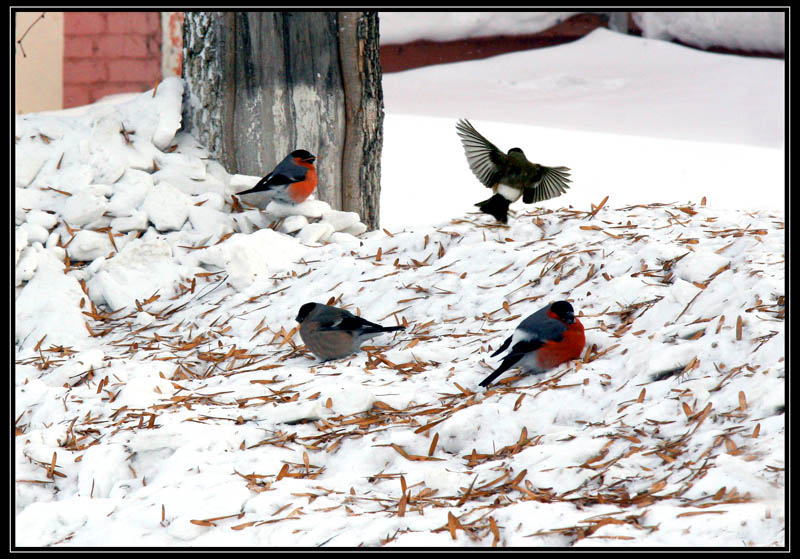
{"points": [[292, 181], [544, 340], [509, 175], [332, 333]]}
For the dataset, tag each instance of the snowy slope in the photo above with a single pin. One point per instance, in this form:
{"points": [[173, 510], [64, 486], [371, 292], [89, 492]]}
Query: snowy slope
{"points": [[163, 397], [607, 82], [194, 402], [639, 120]]}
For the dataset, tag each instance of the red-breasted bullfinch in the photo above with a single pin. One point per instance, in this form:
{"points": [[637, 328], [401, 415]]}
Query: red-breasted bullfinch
{"points": [[292, 181], [509, 175], [332, 333], [544, 340]]}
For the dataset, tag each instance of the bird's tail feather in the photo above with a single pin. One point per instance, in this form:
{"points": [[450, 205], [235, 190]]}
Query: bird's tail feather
{"points": [[496, 206], [379, 329], [502, 348], [507, 363], [256, 188]]}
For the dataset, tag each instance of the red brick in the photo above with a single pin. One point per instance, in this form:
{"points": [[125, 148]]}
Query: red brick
{"points": [[154, 45], [76, 95], [84, 71], [84, 23], [78, 46], [122, 70], [122, 46], [134, 22]]}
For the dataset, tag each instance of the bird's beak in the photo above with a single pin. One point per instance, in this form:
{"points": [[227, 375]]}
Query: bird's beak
{"points": [[310, 159]]}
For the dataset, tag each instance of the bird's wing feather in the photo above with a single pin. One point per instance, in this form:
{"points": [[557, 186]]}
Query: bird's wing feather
{"points": [[349, 322], [286, 172], [554, 182], [539, 326], [483, 156], [277, 179]]}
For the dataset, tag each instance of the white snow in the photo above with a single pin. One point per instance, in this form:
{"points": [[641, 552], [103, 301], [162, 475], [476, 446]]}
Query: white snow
{"points": [[759, 31], [405, 27], [163, 396]]}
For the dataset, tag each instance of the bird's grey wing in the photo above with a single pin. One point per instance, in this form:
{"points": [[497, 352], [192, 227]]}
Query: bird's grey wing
{"points": [[539, 326], [286, 172], [346, 320], [483, 156]]}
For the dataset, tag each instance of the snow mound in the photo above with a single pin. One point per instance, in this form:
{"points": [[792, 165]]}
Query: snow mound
{"points": [[136, 208]]}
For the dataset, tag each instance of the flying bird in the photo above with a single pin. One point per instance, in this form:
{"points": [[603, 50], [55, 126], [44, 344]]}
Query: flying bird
{"points": [[333, 333], [509, 175], [292, 181], [550, 336]]}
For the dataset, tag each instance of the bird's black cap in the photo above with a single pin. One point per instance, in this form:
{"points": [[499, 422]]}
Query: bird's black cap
{"points": [[304, 155], [564, 311], [304, 311]]}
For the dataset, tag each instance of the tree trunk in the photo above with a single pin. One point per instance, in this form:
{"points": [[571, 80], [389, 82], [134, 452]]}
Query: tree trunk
{"points": [[262, 84], [361, 69], [203, 72]]}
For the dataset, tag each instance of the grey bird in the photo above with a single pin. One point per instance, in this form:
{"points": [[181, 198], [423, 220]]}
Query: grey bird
{"points": [[332, 333]]}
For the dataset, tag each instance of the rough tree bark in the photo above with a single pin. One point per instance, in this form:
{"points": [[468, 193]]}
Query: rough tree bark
{"points": [[262, 84], [361, 70]]}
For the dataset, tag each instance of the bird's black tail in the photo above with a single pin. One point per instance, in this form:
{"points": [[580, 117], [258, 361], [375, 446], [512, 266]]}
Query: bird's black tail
{"points": [[507, 363], [260, 186], [496, 206], [256, 188], [380, 329]]}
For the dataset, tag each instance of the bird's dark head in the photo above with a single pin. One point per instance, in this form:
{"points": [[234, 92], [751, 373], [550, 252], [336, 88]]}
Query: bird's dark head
{"points": [[304, 311], [517, 151], [303, 155], [564, 311]]}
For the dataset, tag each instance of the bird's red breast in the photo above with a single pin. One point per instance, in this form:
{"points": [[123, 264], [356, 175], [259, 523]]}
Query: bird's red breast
{"points": [[299, 191], [554, 353]]}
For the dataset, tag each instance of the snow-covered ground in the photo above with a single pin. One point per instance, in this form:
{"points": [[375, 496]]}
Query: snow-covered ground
{"points": [[639, 120], [163, 397]]}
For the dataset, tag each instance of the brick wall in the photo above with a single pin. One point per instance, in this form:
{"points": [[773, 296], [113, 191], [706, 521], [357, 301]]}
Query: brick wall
{"points": [[110, 52]]}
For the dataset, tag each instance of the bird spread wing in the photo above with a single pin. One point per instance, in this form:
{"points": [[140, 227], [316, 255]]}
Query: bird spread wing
{"points": [[554, 182], [483, 156]]}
